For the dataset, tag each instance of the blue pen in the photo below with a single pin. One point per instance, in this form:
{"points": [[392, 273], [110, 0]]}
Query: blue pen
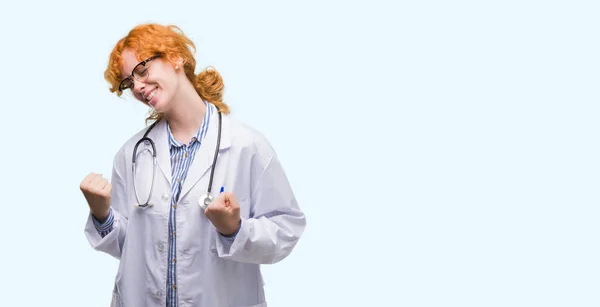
{"points": [[222, 189]]}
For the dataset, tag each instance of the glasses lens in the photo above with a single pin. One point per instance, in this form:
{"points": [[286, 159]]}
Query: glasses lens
{"points": [[140, 72], [125, 84]]}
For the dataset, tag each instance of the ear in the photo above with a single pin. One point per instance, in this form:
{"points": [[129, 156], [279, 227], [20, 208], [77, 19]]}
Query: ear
{"points": [[177, 63]]}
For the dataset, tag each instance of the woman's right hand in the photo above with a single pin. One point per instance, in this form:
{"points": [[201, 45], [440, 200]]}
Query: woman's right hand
{"points": [[96, 190]]}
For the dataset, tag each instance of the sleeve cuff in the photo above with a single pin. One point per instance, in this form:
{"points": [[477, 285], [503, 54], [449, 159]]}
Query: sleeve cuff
{"points": [[230, 238], [106, 227]]}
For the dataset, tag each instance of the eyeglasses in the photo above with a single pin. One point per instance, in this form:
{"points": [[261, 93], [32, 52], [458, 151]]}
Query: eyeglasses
{"points": [[140, 73]]}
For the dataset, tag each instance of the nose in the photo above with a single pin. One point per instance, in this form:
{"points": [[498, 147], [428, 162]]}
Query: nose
{"points": [[138, 87]]}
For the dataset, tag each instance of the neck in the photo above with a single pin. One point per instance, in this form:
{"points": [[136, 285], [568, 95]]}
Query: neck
{"points": [[186, 115]]}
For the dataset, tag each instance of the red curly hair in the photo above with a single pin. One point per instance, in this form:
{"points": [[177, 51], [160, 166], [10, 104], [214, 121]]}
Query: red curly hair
{"points": [[170, 42]]}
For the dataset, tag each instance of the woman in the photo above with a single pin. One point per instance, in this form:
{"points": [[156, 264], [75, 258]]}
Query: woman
{"points": [[174, 251]]}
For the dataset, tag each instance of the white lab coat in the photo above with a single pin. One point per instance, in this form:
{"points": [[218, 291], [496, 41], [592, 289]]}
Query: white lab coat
{"points": [[211, 271]]}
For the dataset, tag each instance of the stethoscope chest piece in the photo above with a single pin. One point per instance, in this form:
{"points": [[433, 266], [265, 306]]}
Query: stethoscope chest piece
{"points": [[205, 200]]}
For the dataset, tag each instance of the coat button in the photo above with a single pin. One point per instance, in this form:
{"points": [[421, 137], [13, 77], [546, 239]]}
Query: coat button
{"points": [[165, 196], [161, 246]]}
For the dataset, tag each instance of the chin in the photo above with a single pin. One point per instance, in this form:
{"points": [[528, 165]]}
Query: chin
{"points": [[159, 107], [157, 103], [156, 107]]}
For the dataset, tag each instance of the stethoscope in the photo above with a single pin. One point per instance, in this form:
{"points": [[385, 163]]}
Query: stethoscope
{"points": [[204, 200]]}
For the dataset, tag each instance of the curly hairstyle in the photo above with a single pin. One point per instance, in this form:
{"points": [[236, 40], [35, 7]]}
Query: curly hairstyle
{"points": [[169, 41]]}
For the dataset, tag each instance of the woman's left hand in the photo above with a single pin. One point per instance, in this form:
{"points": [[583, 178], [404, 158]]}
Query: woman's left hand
{"points": [[224, 213]]}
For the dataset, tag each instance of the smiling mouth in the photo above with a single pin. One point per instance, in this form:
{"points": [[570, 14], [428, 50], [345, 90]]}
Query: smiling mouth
{"points": [[151, 95]]}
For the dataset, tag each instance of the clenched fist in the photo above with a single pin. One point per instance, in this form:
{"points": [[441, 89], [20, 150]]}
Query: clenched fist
{"points": [[224, 213], [96, 190]]}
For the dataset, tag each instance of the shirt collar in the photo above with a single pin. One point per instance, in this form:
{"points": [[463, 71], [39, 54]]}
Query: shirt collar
{"points": [[200, 134]]}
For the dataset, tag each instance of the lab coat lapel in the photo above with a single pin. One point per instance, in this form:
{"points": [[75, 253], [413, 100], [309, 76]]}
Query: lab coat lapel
{"points": [[163, 153], [205, 155]]}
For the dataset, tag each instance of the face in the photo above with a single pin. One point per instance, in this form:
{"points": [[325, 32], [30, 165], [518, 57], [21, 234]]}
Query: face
{"points": [[154, 81]]}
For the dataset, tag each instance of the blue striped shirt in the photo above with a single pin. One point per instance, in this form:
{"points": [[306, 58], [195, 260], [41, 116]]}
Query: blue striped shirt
{"points": [[182, 156]]}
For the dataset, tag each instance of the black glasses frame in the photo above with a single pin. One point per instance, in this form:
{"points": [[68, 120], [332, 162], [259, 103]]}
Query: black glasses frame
{"points": [[128, 82]]}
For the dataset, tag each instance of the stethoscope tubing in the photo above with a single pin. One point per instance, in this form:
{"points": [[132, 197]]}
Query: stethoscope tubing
{"points": [[204, 200]]}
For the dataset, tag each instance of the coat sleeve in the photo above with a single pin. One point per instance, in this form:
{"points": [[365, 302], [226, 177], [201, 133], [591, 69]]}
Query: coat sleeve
{"points": [[275, 226], [109, 237]]}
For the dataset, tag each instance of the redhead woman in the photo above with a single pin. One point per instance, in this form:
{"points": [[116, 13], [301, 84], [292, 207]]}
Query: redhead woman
{"points": [[197, 201]]}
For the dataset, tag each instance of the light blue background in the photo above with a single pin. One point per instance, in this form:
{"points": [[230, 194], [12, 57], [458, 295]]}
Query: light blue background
{"points": [[445, 152]]}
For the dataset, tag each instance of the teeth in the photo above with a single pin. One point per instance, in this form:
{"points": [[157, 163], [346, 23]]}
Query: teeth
{"points": [[151, 95]]}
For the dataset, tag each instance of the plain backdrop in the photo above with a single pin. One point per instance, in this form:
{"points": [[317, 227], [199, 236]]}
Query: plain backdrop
{"points": [[445, 152]]}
